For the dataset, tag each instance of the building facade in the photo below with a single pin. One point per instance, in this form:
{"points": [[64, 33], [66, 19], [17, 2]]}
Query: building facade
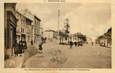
{"points": [[51, 34], [21, 26], [29, 31], [24, 28], [105, 40], [36, 28], [10, 23]]}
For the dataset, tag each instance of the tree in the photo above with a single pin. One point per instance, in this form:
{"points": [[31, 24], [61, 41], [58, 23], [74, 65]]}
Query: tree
{"points": [[81, 37], [66, 28]]}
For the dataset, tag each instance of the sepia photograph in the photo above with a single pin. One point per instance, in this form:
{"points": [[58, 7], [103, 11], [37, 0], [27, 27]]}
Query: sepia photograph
{"points": [[57, 35]]}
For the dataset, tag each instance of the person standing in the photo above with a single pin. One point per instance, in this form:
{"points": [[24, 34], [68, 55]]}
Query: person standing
{"points": [[75, 43], [16, 48], [24, 46], [71, 44], [41, 44], [20, 47]]}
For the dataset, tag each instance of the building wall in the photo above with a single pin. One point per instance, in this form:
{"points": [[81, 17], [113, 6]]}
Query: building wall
{"points": [[10, 28], [21, 26], [24, 27], [105, 39], [51, 34], [36, 29], [30, 16], [35, 25], [48, 34], [29, 31]]}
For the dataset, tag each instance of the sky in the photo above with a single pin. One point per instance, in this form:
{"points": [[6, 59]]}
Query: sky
{"points": [[92, 19]]}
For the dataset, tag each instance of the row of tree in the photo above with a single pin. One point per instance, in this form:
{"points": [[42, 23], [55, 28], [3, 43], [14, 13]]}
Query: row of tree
{"points": [[65, 34]]}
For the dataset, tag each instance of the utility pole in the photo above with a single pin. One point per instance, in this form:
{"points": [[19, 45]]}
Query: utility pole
{"points": [[58, 19], [58, 26]]}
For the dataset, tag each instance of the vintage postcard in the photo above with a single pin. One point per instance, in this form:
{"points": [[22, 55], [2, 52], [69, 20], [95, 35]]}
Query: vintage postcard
{"points": [[57, 35]]}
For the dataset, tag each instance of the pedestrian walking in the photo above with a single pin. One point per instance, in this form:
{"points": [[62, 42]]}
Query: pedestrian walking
{"points": [[78, 43], [71, 44], [75, 43], [24, 46], [40, 47], [42, 41], [16, 48], [20, 47]]}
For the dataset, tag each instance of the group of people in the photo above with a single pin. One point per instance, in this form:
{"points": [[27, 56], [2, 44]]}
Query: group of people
{"points": [[20, 47], [72, 43]]}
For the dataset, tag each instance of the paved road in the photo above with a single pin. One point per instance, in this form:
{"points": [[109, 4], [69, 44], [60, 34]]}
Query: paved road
{"points": [[62, 56]]}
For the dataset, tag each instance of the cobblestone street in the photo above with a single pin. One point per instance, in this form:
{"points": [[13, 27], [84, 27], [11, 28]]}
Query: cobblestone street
{"points": [[61, 56]]}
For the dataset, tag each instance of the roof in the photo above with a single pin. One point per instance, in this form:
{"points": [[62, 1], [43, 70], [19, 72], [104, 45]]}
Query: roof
{"points": [[23, 16], [37, 18], [29, 19], [50, 30]]}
